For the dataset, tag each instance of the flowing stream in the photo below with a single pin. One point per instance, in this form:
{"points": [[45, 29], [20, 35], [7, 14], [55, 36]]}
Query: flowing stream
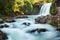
{"points": [[26, 29]]}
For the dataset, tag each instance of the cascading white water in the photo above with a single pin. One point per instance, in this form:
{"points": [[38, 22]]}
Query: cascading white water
{"points": [[49, 32], [22, 23], [26, 29], [45, 10]]}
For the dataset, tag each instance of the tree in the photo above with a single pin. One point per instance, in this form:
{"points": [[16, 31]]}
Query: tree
{"points": [[2, 4], [6, 7], [53, 10], [27, 7], [17, 5]]}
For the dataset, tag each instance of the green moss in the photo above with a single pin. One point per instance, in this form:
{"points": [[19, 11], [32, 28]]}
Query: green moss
{"points": [[6, 7], [56, 3], [53, 9], [54, 23], [28, 7]]}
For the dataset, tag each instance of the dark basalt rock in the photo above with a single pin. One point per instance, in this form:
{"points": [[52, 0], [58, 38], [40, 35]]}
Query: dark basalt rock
{"points": [[41, 30], [3, 36], [4, 26], [27, 24], [38, 30], [1, 26], [31, 31]]}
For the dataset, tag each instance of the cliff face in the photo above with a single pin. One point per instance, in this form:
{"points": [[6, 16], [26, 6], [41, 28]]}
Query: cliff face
{"points": [[55, 13], [55, 19]]}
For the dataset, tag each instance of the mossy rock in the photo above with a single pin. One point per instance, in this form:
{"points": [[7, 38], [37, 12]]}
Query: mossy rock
{"points": [[54, 24], [55, 4], [53, 10], [1, 21]]}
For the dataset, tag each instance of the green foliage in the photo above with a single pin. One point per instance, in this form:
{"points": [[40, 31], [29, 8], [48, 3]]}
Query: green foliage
{"points": [[54, 23], [6, 7], [17, 5], [28, 7], [49, 1], [2, 4], [9, 7], [53, 10]]}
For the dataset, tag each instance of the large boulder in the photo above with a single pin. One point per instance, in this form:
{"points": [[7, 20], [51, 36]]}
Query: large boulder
{"points": [[42, 19], [1, 21]]}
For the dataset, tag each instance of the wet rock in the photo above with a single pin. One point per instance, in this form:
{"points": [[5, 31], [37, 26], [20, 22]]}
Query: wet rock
{"points": [[42, 19], [9, 20], [4, 26], [31, 31], [41, 30], [27, 24], [1, 21], [1, 26], [3, 36], [58, 29]]}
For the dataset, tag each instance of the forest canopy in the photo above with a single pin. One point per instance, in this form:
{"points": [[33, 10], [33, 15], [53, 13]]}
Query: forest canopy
{"points": [[13, 7]]}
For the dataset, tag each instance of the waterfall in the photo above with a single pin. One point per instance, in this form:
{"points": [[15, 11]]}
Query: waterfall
{"points": [[45, 10], [26, 29]]}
